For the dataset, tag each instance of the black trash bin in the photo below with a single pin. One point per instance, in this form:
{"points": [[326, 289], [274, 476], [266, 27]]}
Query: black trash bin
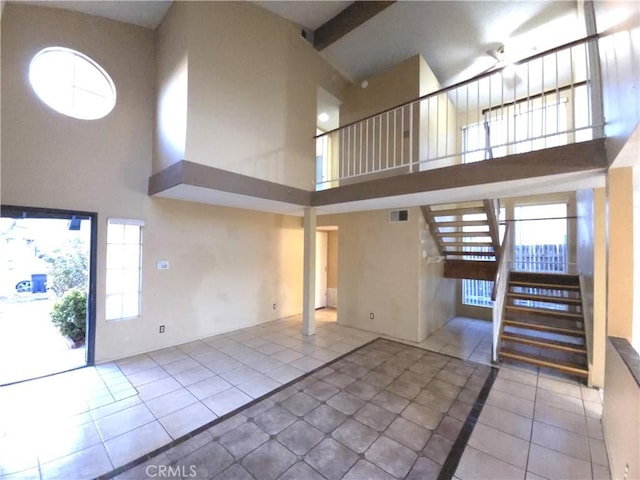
{"points": [[38, 283]]}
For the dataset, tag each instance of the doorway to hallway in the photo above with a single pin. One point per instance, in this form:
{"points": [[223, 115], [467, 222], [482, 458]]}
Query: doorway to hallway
{"points": [[47, 311], [327, 269]]}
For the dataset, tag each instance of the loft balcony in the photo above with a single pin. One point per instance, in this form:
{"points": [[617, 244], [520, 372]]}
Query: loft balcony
{"points": [[534, 126], [548, 100]]}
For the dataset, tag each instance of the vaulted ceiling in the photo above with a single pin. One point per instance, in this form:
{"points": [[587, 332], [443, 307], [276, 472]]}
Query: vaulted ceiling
{"points": [[453, 36]]}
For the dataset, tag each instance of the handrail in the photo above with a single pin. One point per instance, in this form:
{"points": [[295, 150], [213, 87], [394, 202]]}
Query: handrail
{"points": [[492, 209], [448, 126], [504, 254], [465, 82], [512, 220], [499, 291]]}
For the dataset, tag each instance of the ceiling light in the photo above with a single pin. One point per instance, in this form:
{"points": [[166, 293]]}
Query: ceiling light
{"points": [[323, 117]]}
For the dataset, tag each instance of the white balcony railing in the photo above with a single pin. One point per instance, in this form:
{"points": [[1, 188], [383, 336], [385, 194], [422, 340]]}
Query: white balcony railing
{"points": [[541, 102]]}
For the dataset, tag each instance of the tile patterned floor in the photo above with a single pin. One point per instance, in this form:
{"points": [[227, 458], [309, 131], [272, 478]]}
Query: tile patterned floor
{"points": [[537, 424], [386, 411], [463, 337], [85, 423]]}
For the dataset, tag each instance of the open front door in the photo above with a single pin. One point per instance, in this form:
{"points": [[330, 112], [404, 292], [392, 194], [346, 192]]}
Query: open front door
{"points": [[47, 285]]}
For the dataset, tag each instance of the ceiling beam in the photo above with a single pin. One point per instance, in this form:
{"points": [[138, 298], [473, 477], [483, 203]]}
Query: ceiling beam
{"points": [[347, 20]]}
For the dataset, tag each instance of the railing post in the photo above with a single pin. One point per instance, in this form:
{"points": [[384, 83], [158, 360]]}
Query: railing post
{"points": [[364, 143], [411, 137], [594, 76]]}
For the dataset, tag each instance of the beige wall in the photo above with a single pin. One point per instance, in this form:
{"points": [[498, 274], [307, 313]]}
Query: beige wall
{"points": [[432, 123], [381, 271], [620, 288], [438, 295], [392, 86], [172, 81], [370, 281], [252, 84], [591, 266], [635, 338], [439, 132], [332, 259], [621, 417], [2, 3], [619, 64], [360, 151], [227, 267]]}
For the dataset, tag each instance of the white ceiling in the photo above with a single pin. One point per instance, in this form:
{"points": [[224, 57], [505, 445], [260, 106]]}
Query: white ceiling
{"points": [[453, 36], [145, 13]]}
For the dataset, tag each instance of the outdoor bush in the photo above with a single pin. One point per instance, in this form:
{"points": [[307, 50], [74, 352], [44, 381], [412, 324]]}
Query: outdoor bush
{"points": [[69, 268], [69, 314]]}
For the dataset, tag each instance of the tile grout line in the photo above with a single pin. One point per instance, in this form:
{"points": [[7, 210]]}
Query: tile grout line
{"points": [[455, 454], [533, 422], [134, 463]]}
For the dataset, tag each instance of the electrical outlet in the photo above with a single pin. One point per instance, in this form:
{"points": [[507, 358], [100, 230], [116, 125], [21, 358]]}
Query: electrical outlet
{"points": [[371, 315], [161, 328], [274, 306]]}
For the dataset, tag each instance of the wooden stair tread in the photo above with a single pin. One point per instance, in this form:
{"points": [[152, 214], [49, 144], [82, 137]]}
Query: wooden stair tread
{"points": [[453, 212], [545, 273], [573, 332], [449, 253], [544, 298], [465, 244], [543, 286], [461, 223], [545, 311], [566, 367], [545, 277], [464, 234], [544, 342]]}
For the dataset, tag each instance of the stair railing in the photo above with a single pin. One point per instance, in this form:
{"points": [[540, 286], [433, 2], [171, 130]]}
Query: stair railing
{"points": [[586, 295], [499, 292], [539, 102], [492, 208]]}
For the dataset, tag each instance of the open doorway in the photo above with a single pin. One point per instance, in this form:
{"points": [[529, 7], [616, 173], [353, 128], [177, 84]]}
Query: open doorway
{"points": [[47, 285], [327, 273]]}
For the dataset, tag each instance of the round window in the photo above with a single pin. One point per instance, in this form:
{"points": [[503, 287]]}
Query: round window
{"points": [[71, 83]]}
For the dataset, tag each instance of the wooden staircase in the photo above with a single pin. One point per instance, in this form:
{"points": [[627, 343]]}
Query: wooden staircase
{"points": [[467, 236], [543, 324]]}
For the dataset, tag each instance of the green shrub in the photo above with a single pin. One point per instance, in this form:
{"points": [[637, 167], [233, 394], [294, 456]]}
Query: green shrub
{"points": [[68, 267], [69, 314]]}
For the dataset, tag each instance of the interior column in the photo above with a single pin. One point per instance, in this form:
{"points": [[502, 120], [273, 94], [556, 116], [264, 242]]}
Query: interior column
{"points": [[309, 274]]}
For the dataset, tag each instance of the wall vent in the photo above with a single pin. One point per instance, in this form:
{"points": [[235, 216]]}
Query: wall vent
{"points": [[396, 216]]}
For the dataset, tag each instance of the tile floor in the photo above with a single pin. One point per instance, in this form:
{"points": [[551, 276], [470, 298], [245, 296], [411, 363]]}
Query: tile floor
{"points": [[388, 410], [86, 423]]}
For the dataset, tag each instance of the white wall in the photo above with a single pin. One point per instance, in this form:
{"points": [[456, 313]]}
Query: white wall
{"points": [[227, 267]]}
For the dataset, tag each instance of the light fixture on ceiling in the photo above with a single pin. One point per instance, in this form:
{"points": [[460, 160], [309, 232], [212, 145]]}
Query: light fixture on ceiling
{"points": [[504, 61], [498, 54], [323, 117]]}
